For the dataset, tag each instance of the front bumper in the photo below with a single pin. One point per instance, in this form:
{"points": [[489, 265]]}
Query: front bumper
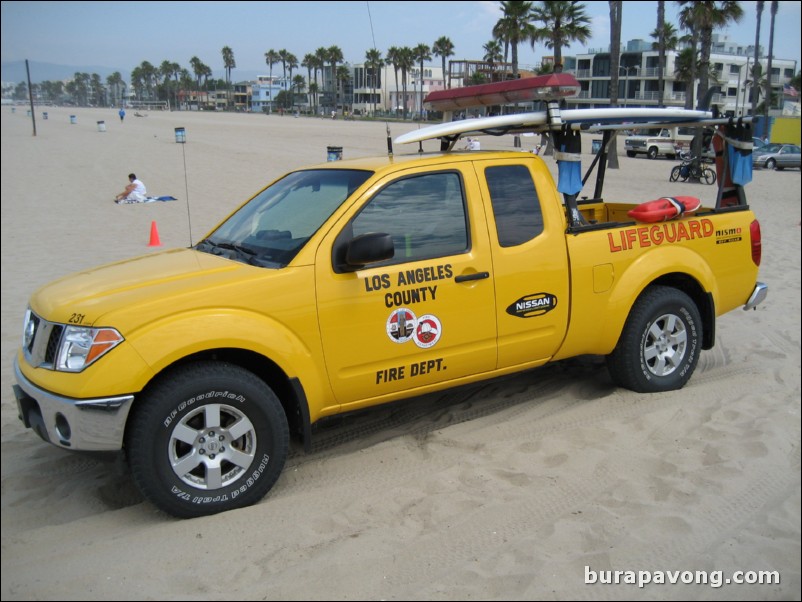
{"points": [[79, 424]]}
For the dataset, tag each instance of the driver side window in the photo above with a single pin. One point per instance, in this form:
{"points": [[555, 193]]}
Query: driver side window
{"points": [[424, 215]]}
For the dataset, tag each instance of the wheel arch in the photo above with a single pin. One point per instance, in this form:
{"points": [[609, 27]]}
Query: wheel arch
{"points": [[289, 391], [703, 300]]}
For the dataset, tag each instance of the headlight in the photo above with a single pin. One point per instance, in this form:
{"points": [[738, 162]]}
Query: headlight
{"points": [[81, 346]]}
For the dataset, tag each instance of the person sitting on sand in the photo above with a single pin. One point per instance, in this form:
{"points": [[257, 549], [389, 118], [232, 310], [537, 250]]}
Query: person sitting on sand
{"points": [[135, 192]]}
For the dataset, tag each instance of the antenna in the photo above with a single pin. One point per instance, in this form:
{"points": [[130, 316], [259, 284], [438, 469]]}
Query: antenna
{"points": [[387, 123], [186, 188]]}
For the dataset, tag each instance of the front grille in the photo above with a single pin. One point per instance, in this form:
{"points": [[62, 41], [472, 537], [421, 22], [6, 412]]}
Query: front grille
{"points": [[41, 347]]}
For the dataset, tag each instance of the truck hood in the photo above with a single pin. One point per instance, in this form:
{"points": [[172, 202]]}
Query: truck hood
{"points": [[86, 297]]}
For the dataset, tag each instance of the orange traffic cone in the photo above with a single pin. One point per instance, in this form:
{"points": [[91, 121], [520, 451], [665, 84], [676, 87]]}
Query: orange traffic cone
{"points": [[154, 235]]}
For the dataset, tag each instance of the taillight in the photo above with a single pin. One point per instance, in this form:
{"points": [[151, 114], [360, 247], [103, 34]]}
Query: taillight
{"points": [[757, 247]]}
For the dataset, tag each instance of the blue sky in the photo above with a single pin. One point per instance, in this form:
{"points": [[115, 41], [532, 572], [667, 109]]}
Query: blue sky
{"points": [[123, 34]]}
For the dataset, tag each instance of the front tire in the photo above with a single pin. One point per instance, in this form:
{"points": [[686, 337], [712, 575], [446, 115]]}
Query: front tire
{"points": [[709, 176], [630, 154], [652, 152], [771, 164], [660, 344], [675, 173], [207, 438]]}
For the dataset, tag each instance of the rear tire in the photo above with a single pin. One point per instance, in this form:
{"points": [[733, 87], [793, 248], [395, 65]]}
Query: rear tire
{"points": [[209, 437], [660, 344]]}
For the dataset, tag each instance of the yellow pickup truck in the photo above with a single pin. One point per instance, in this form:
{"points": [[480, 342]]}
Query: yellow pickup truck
{"points": [[354, 283]]}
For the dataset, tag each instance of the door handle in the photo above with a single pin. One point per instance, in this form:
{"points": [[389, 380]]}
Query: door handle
{"points": [[469, 277]]}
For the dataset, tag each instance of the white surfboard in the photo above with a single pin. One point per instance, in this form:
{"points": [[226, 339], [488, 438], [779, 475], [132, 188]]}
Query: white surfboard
{"points": [[596, 119]]}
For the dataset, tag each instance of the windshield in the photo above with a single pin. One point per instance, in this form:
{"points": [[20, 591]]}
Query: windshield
{"points": [[770, 148], [271, 228]]}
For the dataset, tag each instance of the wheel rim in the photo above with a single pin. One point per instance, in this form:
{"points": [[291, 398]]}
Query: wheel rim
{"points": [[212, 446], [665, 345]]}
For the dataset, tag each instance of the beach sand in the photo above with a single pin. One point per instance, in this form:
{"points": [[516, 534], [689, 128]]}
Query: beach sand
{"points": [[517, 488]]}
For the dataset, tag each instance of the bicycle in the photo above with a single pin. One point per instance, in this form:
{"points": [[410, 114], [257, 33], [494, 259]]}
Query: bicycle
{"points": [[692, 168]]}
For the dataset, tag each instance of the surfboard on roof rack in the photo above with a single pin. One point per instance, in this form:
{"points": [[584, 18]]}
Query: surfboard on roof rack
{"points": [[540, 121], [564, 125]]}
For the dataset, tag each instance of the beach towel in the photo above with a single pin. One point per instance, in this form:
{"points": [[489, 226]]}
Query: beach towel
{"points": [[148, 199]]}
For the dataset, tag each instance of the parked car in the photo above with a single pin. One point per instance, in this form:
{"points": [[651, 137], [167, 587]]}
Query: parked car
{"points": [[776, 156]]}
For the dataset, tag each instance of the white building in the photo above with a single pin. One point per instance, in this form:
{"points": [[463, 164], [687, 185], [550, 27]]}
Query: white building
{"points": [[638, 81]]}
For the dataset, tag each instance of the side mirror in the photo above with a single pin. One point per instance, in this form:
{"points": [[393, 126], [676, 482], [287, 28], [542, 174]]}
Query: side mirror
{"points": [[369, 248]]}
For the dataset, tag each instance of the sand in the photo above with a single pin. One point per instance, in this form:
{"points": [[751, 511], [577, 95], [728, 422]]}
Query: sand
{"points": [[519, 488]]}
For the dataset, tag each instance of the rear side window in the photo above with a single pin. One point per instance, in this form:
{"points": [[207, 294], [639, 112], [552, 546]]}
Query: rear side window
{"points": [[516, 206]]}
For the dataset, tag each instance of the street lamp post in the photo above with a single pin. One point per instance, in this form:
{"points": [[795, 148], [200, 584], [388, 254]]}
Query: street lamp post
{"points": [[738, 89], [626, 80]]}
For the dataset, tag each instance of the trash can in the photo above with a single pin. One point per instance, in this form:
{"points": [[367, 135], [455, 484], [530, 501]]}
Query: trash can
{"points": [[101, 126], [334, 153], [28, 113], [180, 135], [595, 146], [73, 119], [44, 115]]}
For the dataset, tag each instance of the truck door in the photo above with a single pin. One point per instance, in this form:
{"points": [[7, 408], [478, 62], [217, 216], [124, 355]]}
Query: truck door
{"points": [[425, 316], [530, 260]]}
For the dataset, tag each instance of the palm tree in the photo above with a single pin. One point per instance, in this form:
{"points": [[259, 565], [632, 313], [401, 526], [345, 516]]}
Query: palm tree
{"points": [[514, 27], [343, 75], [563, 22], [282, 56], [756, 83], [444, 48], [292, 65], [753, 94], [167, 70], [709, 15], [97, 90], [298, 84], [115, 81], [373, 60], [422, 52], [322, 55], [228, 63], [309, 61], [688, 22], [271, 58], [661, 49], [393, 58], [334, 55], [669, 40], [768, 99], [313, 92], [493, 53], [616, 6], [406, 61], [198, 69]]}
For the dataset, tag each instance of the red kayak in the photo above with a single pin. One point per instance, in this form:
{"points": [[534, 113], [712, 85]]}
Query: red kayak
{"points": [[664, 209]]}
